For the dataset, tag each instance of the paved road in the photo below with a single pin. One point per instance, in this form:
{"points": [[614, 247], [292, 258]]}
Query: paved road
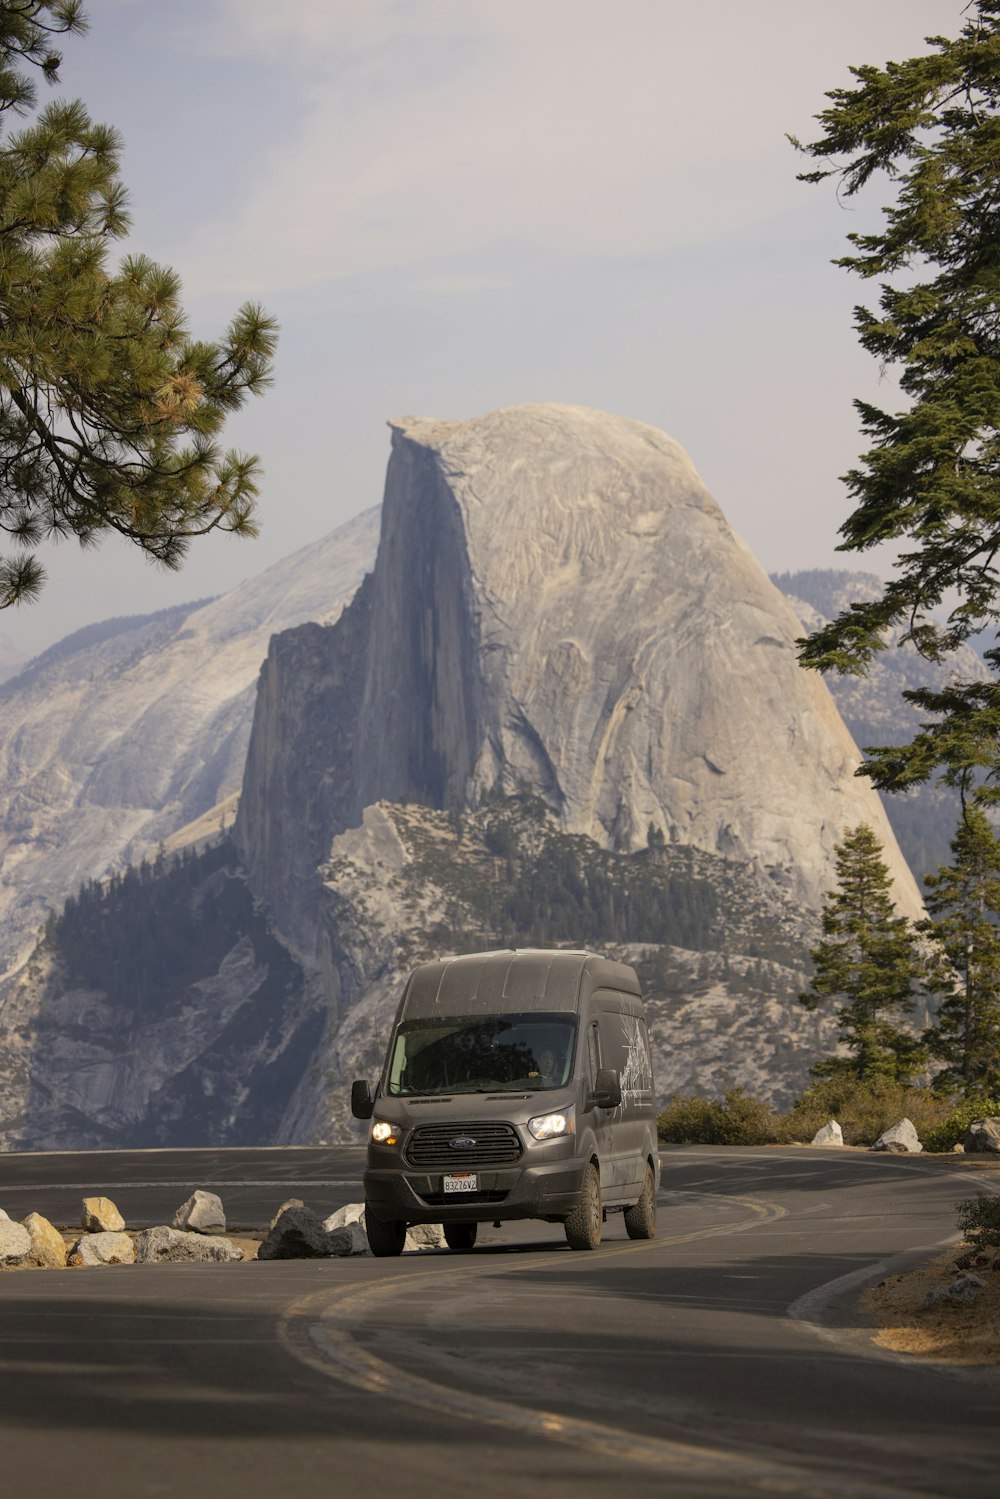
{"points": [[149, 1185], [725, 1357]]}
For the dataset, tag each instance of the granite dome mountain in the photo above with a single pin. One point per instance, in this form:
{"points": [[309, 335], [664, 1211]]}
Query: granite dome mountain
{"points": [[564, 674], [558, 606]]}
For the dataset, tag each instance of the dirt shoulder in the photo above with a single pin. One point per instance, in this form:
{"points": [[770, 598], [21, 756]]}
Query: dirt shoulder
{"points": [[953, 1332]]}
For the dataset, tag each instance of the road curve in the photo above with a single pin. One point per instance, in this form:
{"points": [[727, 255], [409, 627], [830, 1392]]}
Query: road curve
{"points": [[727, 1355]]}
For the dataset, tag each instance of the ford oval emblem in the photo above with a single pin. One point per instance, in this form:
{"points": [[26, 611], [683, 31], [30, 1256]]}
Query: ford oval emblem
{"points": [[463, 1142]]}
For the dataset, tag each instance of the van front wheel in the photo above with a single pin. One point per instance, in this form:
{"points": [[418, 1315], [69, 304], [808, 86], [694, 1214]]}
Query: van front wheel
{"points": [[583, 1226], [385, 1236], [640, 1220]]}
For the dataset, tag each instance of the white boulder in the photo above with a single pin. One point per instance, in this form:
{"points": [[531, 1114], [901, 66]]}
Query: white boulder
{"points": [[102, 1249], [99, 1215], [203, 1213], [297, 1233], [48, 1247], [901, 1139], [154, 1245], [958, 1292], [425, 1236], [15, 1243], [983, 1135], [350, 1219], [830, 1134]]}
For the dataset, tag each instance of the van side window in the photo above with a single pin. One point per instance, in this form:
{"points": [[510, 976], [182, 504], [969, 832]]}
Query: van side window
{"points": [[594, 1053]]}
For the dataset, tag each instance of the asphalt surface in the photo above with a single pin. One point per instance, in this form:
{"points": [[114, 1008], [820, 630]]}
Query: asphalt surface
{"points": [[727, 1356], [149, 1185]]}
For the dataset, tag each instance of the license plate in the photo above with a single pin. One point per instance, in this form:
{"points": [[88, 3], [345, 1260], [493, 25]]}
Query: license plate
{"points": [[461, 1181]]}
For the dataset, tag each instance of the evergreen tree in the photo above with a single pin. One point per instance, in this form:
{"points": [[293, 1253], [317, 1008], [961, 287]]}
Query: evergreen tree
{"points": [[109, 410], [869, 958], [964, 905], [931, 480]]}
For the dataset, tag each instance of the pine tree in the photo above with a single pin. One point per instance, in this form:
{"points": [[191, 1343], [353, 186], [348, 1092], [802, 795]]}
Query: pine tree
{"points": [[964, 905], [109, 410], [930, 483], [869, 958]]}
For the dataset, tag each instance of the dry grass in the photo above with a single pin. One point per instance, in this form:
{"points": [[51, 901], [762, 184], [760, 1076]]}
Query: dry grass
{"points": [[953, 1333]]}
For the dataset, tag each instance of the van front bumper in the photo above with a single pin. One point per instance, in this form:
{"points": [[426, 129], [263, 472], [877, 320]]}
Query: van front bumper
{"points": [[546, 1190]]}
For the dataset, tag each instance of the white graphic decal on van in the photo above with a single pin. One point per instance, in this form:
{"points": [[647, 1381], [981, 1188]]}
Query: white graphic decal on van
{"points": [[637, 1076]]}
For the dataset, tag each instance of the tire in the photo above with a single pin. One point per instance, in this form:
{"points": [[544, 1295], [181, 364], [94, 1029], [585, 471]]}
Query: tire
{"points": [[583, 1226], [640, 1220], [460, 1235], [385, 1237]]}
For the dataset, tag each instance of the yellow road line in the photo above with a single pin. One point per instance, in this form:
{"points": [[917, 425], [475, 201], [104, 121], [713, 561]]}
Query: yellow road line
{"points": [[318, 1330]]}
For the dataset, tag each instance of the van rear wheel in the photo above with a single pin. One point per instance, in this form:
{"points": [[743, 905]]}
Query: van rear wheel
{"points": [[385, 1236], [460, 1235], [640, 1220], [583, 1226]]}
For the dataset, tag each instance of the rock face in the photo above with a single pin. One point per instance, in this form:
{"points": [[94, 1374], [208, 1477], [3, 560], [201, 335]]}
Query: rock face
{"points": [[873, 707], [557, 605], [559, 617], [127, 732]]}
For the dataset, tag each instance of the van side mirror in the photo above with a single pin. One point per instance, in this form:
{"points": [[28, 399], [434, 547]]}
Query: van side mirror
{"points": [[361, 1100], [607, 1092]]}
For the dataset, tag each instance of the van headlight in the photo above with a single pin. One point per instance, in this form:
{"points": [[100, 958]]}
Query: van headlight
{"points": [[550, 1126], [384, 1132]]}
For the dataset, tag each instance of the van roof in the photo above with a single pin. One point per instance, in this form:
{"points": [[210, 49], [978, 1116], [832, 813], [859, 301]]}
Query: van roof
{"points": [[523, 979]]}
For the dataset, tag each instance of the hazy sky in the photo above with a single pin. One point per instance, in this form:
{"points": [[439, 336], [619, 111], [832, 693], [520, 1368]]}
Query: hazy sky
{"points": [[456, 205]]}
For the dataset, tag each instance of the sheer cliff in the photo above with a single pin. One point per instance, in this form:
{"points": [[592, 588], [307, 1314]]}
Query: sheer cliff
{"points": [[127, 731], [559, 606], [564, 706]]}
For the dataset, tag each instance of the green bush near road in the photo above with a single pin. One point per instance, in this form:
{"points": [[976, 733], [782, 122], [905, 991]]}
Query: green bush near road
{"points": [[736, 1119], [951, 1130], [979, 1220], [862, 1108]]}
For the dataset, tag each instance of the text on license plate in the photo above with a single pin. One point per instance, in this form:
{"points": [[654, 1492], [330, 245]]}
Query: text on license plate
{"points": [[464, 1181]]}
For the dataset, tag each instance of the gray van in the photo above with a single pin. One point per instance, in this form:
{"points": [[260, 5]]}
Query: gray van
{"points": [[517, 1084]]}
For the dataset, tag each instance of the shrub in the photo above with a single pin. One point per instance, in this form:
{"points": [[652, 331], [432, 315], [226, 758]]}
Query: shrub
{"points": [[979, 1220], [736, 1119], [863, 1108], [952, 1130], [689, 1119]]}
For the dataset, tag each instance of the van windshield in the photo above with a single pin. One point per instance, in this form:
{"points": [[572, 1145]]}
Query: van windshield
{"points": [[482, 1054]]}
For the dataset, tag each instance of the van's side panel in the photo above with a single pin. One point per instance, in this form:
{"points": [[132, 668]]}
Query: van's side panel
{"points": [[625, 1047]]}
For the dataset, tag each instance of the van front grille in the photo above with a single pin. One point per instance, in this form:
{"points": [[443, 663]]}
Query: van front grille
{"points": [[470, 1145]]}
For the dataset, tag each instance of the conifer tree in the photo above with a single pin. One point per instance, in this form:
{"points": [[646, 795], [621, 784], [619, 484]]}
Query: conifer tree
{"points": [[109, 411], [869, 959], [930, 482], [964, 905]]}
